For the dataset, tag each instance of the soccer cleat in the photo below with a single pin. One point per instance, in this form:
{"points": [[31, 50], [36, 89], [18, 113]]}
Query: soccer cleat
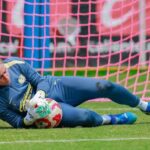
{"points": [[124, 118], [147, 111]]}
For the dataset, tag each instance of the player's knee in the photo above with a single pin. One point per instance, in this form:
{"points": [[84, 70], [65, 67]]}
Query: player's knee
{"points": [[86, 118], [91, 119], [104, 85]]}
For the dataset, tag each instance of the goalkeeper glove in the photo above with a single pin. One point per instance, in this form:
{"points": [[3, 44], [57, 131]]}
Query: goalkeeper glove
{"points": [[29, 119], [36, 108], [38, 96]]}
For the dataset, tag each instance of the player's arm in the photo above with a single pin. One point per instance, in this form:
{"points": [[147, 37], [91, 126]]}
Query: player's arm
{"points": [[35, 110], [13, 118], [32, 76]]}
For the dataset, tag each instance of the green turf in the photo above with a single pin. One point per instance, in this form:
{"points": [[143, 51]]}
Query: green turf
{"points": [[119, 137]]}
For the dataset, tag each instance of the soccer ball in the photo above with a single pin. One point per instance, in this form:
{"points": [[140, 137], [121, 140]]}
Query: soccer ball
{"points": [[53, 119]]}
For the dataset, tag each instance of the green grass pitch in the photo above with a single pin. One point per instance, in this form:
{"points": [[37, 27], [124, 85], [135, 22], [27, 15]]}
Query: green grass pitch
{"points": [[110, 137]]}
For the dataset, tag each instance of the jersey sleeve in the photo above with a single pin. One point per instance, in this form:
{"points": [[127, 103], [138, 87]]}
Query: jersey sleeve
{"points": [[32, 76], [13, 118]]}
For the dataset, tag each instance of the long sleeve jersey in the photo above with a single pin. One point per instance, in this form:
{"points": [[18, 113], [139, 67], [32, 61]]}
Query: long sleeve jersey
{"points": [[24, 82]]}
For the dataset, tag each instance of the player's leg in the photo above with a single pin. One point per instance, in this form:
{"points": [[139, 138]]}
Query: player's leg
{"points": [[73, 116], [76, 90]]}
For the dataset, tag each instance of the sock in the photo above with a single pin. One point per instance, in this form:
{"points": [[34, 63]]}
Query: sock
{"points": [[142, 105], [106, 119]]}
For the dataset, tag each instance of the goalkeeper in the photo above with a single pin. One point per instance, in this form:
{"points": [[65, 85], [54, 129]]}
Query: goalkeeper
{"points": [[21, 87]]}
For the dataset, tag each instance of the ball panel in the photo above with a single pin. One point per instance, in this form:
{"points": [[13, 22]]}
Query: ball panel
{"points": [[43, 123]]}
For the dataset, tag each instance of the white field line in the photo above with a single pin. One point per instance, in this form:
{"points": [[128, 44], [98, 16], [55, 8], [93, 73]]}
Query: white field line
{"points": [[113, 109], [75, 140]]}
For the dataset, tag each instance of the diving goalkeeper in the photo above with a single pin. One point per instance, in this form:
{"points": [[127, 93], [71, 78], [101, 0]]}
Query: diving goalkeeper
{"points": [[21, 86]]}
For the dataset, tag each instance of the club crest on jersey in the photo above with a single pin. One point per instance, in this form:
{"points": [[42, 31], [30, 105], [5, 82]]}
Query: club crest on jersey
{"points": [[21, 79]]}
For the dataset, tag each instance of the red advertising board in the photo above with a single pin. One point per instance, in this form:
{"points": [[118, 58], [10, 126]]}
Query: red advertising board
{"points": [[113, 17]]}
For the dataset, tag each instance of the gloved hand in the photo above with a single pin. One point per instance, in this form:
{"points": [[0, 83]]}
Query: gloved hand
{"points": [[36, 108], [29, 119]]}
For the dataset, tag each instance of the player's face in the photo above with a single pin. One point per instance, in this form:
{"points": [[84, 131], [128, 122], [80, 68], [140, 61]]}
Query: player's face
{"points": [[4, 76]]}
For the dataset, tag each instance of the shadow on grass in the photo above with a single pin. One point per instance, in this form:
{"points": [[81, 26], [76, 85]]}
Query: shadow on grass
{"points": [[3, 128], [142, 123]]}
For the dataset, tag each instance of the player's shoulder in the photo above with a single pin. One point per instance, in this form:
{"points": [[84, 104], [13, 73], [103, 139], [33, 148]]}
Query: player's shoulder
{"points": [[13, 59]]}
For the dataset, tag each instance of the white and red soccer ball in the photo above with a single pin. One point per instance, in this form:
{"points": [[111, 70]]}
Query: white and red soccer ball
{"points": [[53, 119]]}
